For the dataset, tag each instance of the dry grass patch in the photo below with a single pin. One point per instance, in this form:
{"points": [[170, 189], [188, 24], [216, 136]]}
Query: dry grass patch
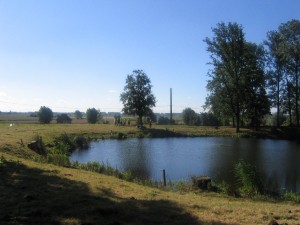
{"points": [[35, 193]]}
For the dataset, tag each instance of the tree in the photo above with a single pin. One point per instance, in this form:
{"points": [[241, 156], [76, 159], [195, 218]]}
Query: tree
{"points": [[275, 75], [45, 115], [208, 119], [92, 115], [137, 97], [237, 75], [190, 117], [284, 51], [78, 114], [63, 118], [290, 33]]}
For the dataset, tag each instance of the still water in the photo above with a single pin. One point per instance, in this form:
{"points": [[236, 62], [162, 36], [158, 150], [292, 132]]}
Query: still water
{"points": [[279, 161]]}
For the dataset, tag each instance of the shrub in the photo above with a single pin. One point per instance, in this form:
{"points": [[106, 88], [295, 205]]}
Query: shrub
{"points": [[58, 159], [291, 196], [81, 142], [92, 115], [63, 118], [64, 143], [249, 180], [45, 114]]}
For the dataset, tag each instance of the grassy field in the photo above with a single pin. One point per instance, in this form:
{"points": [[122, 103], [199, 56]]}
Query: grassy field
{"points": [[39, 193]]}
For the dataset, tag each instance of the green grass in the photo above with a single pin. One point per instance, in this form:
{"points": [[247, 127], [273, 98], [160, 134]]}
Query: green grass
{"points": [[39, 193]]}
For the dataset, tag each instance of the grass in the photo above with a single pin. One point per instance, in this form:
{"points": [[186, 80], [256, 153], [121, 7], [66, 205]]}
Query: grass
{"points": [[34, 193], [40, 193]]}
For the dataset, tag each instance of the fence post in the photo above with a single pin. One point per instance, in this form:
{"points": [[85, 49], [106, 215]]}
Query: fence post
{"points": [[164, 177]]}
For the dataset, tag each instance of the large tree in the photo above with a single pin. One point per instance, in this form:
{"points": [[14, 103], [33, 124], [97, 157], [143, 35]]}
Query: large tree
{"points": [[275, 75], [237, 75], [284, 51], [290, 33], [137, 97]]}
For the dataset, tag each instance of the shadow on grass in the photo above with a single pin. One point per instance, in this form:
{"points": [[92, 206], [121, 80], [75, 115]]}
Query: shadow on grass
{"points": [[153, 132], [34, 196]]}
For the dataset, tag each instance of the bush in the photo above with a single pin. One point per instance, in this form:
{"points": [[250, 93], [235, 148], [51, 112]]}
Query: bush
{"points": [[291, 196], [190, 117], [81, 142], [63, 118], [58, 159], [92, 115], [249, 180], [45, 115]]}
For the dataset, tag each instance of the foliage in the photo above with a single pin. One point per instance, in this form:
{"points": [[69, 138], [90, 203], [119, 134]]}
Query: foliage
{"points": [[208, 119], [237, 76], [65, 144], [190, 117], [249, 180], [78, 114], [162, 120], [81, 142], [284, 62], [102, 168], [137, 97], [2, 161], [45, 115], [291, 196], [58, 159], [92, 115], [63, 118]]}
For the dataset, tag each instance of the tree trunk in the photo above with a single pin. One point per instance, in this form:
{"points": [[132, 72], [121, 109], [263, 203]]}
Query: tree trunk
{"points": [[278, 101], [297, 96]]}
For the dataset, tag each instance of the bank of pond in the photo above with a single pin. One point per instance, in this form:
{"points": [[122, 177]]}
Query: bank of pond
{"points": [[274, 162]]}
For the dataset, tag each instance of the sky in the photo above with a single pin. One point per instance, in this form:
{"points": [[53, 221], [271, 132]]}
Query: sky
{"points": [[76, 54]]}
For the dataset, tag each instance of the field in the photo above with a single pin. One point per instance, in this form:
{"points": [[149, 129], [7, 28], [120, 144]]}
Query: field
{"points": [[39, 193]]}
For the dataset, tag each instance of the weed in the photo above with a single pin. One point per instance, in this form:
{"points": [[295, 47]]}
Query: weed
{"points": [[249, 180], [291, 196]]}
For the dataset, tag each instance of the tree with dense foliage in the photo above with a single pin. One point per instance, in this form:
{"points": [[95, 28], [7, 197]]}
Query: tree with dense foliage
{"points": [[78, 114], [63, 118], [137, 97], [190, 117], [92, 115], [275, 75], [237, 87], [45, 115], [284, 51], [290, 36], [209, 119]]}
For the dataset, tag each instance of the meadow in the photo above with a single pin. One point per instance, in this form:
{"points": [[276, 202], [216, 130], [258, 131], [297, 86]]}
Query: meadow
{"points": [[40, 193]]}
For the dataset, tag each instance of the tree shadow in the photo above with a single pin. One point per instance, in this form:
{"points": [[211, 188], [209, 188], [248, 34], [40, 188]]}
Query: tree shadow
{"points": [[168, 132], [35, 196]]}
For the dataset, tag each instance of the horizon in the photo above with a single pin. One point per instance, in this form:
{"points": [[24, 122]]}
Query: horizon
{"points": [[73, 55]]}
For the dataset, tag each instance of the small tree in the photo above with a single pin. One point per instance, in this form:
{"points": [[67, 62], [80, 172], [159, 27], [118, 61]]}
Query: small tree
{"points": [[45, 114], [137, 97], [78, 114], [92, 115], [63, 118], [190, 117]]}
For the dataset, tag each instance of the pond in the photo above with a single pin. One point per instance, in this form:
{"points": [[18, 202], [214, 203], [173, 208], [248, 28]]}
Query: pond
{"points": [[211, 156]]}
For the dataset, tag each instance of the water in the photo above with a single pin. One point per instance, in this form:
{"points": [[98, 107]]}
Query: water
{"points": [[185, 157]]}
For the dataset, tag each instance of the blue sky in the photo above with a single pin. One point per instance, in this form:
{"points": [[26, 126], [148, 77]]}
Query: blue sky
{"points": [[76, 54]]}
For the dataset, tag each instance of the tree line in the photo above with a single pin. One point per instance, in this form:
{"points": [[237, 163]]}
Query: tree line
{"points": [[247, 79], [45, 116]]}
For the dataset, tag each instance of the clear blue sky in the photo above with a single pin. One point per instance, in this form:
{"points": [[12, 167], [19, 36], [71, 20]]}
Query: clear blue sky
{"points": [[76, 54]]}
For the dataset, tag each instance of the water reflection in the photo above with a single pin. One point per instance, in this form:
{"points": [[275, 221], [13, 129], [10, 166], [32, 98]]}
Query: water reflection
{"points": [[184, 157]]}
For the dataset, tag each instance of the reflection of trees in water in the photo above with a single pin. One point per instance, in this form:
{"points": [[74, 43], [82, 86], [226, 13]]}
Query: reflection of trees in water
{"points": [[280, 167], [133, 157]]}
